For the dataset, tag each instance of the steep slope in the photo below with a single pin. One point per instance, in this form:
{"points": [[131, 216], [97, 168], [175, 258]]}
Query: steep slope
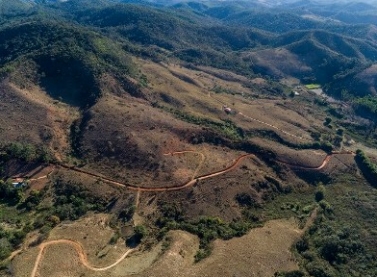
{"points": [[64, 59]]}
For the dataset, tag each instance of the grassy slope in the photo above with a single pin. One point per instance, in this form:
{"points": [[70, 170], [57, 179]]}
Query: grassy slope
{"points": [[125, 137]]}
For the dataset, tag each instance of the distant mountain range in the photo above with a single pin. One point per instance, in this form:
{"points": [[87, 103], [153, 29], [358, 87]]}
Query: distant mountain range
{"points": [[334, 44]]}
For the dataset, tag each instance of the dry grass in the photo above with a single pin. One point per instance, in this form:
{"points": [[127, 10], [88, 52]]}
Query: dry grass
{"points": [[261, 252], [308, 158], [92, 232], [196, 96], [125, 139], [29, 115]]}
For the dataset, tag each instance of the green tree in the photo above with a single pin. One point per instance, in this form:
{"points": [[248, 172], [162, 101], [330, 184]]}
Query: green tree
{"points": [[141, 232], [5, 248], [327, 122], [320, 193]]}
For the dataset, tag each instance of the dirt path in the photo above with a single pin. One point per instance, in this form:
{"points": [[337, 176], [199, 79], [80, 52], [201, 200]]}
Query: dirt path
{"points": [[203, 157], [269, 125], [162, 189], [324, 162], [78, 247], [194, 179], [80, 251], [42, 177], [137, 199]]}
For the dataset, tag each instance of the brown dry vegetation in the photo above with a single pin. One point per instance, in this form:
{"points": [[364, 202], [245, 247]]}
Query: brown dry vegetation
{"points": [[266, 248], [30, 116], [133, 141]]}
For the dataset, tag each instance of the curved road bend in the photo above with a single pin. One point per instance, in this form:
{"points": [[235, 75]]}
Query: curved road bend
{"points": [[199, 178], [80, 251], [323, 164], [193, 152], [162, 189], [78, 247]]}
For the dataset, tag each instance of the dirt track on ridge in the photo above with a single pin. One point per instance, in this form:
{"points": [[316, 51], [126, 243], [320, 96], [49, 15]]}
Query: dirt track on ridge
{"points": [[194, 179], [162, 189]]}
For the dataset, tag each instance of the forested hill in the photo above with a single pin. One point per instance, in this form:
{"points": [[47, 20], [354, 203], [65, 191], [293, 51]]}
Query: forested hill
{"points": [[235, 35]]}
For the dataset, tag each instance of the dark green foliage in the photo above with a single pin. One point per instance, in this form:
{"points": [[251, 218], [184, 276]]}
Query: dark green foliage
{"points": [[25, 152], [141, 232], [9, 240], [127, 214], [313, 177], [5, 248], [9, 193], [339, 243], [320, 193], [337, 247], [32, 201], [202, 254], [206, 228], [245, 199], [72, 201], [226, 128], [296, 273], [327, 121], [368, 169], [318, 270], [367, 106], [65, 59]]}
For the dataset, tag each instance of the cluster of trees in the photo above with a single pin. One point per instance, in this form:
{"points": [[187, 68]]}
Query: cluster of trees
{"points": [[368, 169], [70, 201], [10, 239], [9, 193], [367, 106], [25, 152], [326, 249], [206, 228], [73, 201]]}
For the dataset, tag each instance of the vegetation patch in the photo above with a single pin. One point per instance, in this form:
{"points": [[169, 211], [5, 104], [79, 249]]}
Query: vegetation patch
{"points": [[206, 228], [313, 86], [368, 168]]}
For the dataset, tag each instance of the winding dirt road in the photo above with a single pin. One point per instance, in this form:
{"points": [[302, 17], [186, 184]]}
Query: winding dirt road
{"points": [[80, 251], [78, 247], [162, 189], [195, 179]]}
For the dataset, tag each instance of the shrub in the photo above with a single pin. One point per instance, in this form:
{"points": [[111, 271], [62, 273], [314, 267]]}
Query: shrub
{"points": [[368, 169], [5, 248], [295, 273], [141, 232], [320, 193]]}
